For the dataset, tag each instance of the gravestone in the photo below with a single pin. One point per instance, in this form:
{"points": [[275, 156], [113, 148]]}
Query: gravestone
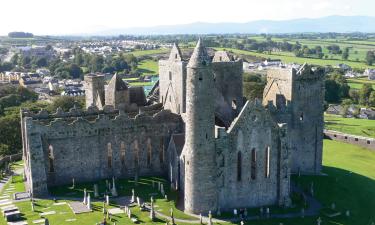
{"points": [[96, 191], [347, 213], [172, 217], [235, 212], [138, 201], [200, 219], [89, 201], [303, 212], [333, 206], [152, 212], [107, 199], [319, 221], [73, 184], [84, 196], [114, 191], [133, 196], [209, 218]]}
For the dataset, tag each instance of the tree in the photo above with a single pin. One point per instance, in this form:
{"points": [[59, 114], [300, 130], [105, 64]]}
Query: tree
{"points": [[75, 71], [345, 54], [371, 100], [66, 103], [354, 95], [364, 94], [370, 57], [332, 91]]}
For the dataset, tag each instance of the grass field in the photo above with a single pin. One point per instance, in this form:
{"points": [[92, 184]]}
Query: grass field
{"points": [[288, 57], [148, 52], [357, 83], [148, 67], [354, 126]]}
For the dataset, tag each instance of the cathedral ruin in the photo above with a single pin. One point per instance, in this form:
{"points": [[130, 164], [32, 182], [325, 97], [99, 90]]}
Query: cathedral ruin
{"points": [[195, 128]]}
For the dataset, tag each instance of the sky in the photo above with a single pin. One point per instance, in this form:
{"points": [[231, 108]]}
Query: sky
{"points": [[56, 17]]}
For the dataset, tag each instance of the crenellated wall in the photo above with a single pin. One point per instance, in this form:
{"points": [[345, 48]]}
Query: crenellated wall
{"points": [[96, 147]]}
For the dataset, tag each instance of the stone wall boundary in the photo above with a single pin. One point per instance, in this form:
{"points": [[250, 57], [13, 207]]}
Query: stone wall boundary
{"points": [[365, 142]]}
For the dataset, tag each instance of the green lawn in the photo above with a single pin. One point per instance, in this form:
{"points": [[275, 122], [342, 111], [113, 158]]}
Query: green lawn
{"points": [[354, 126], [357, 83], [148, 67], [149, 52]]}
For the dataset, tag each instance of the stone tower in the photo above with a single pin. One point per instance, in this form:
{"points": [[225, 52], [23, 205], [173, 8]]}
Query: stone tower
{"points": [[199, 150], [172, 77], [94, 90], [298, 96], [117, 92]]}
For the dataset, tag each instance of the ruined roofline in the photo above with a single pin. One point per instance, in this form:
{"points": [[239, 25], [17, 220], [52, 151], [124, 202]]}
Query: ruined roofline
{"points": [[91, 111], [160, 117]]}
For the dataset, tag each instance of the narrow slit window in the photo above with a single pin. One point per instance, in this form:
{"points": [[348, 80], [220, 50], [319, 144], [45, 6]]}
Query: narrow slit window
{"points": [[122, 153], [109, 152], [253, 163], [149, 152], [161, 150], [170, 75], [239, 166], [267, 169], [136, 153]]}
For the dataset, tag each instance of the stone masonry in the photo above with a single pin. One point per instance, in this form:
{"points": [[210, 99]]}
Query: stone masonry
{"points": [[217, 149]]}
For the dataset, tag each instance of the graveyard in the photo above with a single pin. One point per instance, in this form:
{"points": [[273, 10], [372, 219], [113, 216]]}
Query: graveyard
{"points": [[345, 192]]}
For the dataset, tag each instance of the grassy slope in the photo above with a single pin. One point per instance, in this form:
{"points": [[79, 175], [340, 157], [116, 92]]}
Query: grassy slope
{"points": [[350, 125]]}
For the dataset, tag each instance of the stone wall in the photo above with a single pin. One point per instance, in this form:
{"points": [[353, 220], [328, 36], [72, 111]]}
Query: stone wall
{"points": [[365, 142], [297, 98], [253, 157], [229, 91], [91, 149]]}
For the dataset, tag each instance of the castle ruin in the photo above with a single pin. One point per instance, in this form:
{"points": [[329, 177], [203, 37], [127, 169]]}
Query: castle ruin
{"points": [[219, 150]]}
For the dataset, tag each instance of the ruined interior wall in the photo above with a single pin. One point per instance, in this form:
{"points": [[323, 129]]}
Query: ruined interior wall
{"points": [[229, 89], [80, 149], [172, 80], [254, 129]]}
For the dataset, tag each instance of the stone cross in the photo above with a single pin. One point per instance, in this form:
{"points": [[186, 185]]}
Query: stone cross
{"points": [[152, 211], [162, 189], [114, 191], [84, 196], [133, 196], [129, 213], [96, 191], [89, 201], [32, 205], [319, 221], [209, 218], [138, 201], [107, 199], [172, 217]]}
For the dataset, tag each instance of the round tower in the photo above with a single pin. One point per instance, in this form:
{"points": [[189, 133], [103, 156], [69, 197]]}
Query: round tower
{"points": [[199, 149]]}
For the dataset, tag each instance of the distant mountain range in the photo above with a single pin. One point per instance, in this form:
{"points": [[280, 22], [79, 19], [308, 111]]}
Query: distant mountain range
{"points": [[339, 24]]}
